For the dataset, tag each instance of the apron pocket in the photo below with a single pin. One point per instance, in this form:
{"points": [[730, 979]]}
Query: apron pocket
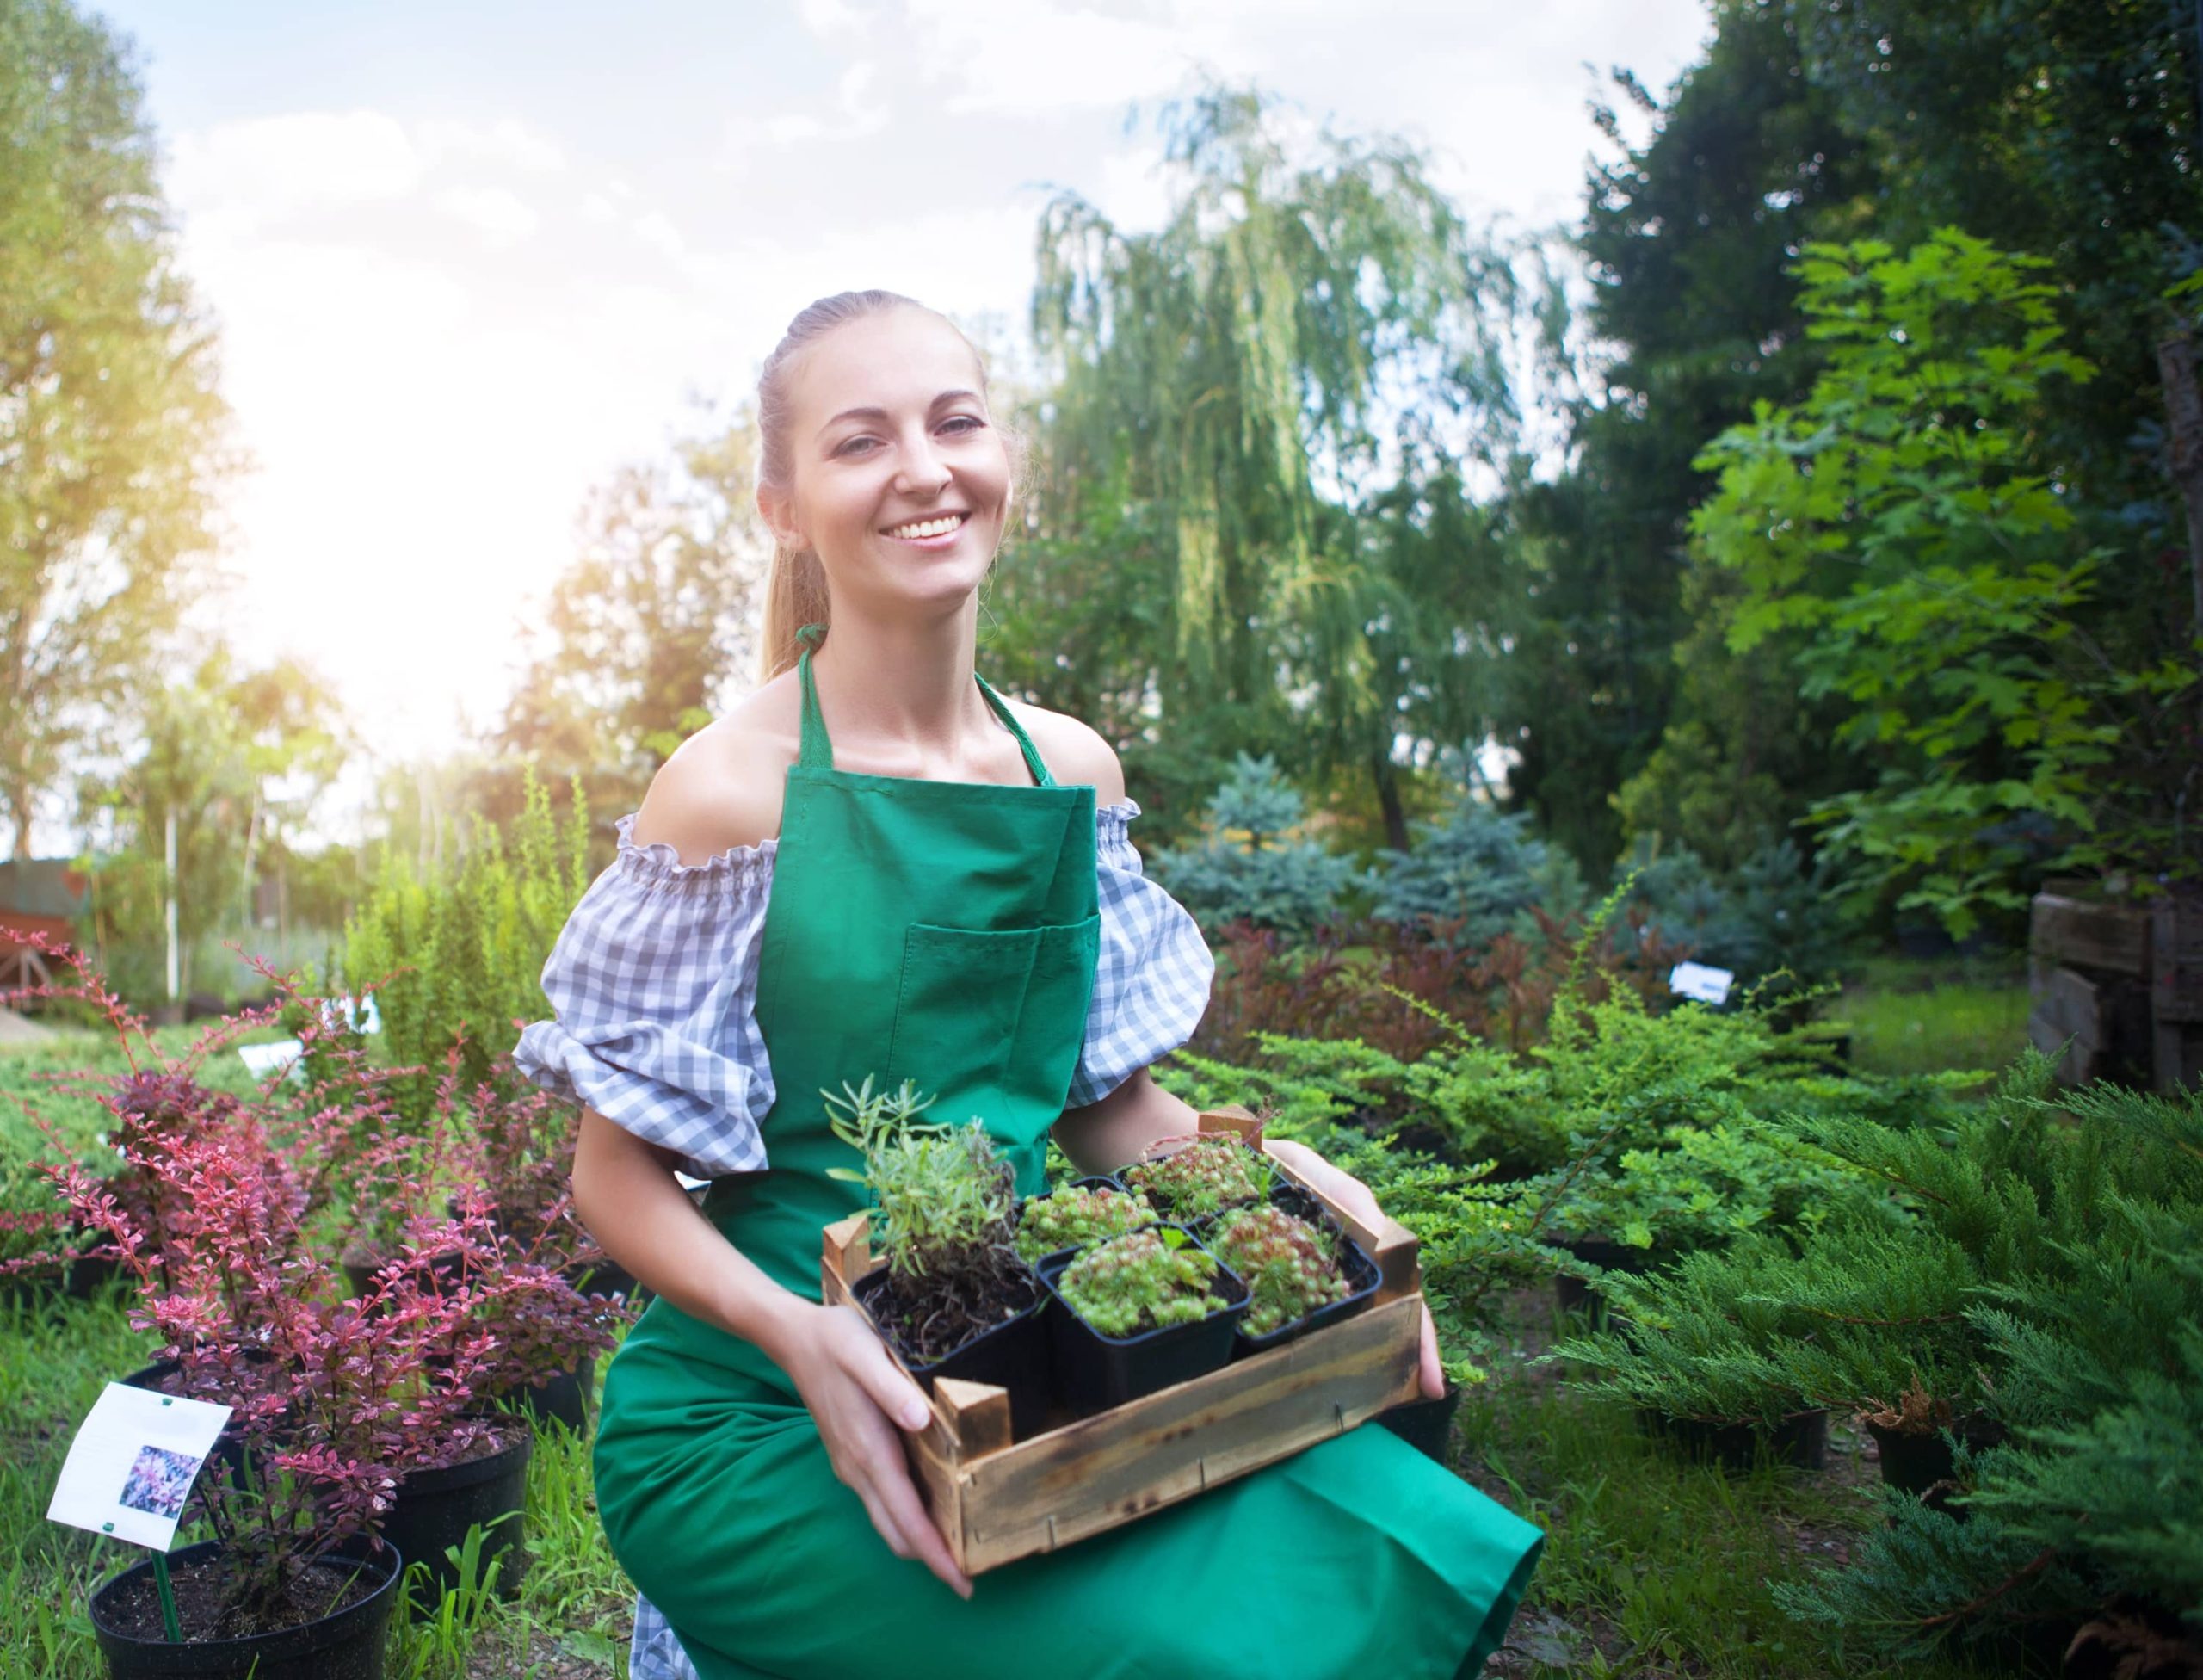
{"points": [[992, 1022]]}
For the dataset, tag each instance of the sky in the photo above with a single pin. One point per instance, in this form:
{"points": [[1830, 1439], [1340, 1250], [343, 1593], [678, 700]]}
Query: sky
{"points": [[467, 260]]}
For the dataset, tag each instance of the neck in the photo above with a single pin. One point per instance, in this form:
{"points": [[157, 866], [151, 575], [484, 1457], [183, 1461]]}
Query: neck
{"points": [[903, 682]]}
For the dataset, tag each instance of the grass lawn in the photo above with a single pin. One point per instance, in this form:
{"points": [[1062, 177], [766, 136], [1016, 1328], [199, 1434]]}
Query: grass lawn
{"points": [[1654, 1567], [1909, 1015]]}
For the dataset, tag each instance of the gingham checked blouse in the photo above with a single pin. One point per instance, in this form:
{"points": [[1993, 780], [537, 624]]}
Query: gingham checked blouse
{"points": [[654, 981]]}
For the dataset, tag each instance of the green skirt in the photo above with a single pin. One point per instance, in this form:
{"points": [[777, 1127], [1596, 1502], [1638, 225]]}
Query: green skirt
{"points": [[1358, 1557]]}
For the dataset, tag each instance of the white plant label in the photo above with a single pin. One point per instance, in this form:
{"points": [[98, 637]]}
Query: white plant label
{"points": [[1704, 985], [132, 1463]]}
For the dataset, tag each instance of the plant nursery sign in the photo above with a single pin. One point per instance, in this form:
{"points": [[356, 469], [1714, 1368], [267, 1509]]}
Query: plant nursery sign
{"points": [[132, 1463], [1704, 985]]}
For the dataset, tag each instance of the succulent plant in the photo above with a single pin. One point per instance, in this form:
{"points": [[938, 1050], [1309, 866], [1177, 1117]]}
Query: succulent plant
{"points": [[1148, 1280], [944, 1195], [1214, 1171], [1076, 1214], [1289, 1265]]}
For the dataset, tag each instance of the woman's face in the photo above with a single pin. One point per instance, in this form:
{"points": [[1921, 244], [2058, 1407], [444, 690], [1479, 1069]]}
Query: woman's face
{"points": [[900, 482]]}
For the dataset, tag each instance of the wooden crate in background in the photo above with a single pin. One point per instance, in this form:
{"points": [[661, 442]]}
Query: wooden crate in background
{"points": [[2120, 987]]}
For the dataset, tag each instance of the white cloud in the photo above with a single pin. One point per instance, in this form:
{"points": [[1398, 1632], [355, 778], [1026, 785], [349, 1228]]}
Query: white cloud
{"points": [[655, 229], [1039, 57], [833, 20], [858, 116], [269, 166], [507, 142], [499, 215]]}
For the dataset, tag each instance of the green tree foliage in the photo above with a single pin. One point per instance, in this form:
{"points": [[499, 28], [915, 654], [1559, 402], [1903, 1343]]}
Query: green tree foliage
{"points": [[643, 633], [1902, 523], [110, 422], [1477, 875], [1250, 531], [240, 758], [1694, 316], [2066, 127]]}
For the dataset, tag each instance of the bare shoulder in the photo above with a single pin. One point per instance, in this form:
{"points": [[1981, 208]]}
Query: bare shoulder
{"points": [[722, 787], [1073, 751]]}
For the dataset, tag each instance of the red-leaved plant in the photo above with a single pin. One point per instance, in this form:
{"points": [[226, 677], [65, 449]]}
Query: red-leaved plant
{"points": [[223, 1212]]}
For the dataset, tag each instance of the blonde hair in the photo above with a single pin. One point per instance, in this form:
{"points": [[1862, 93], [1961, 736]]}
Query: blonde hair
{"points": [[795, 583]]}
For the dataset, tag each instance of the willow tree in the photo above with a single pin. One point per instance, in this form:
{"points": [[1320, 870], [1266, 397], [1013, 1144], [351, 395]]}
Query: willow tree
{"points": [[1248, 527]]}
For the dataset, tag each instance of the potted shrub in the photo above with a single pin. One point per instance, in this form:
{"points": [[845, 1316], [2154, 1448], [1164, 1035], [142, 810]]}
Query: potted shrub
{"points": [[1700, 1360], [954, 1298], [1301, 1269], [209, 1218], [1139, 1312], [1203, 1176], [1086, 1210]]}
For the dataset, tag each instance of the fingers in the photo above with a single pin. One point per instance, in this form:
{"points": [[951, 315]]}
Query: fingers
{"points": [[884, 1382], [1434, 1369], [900, 1496]]}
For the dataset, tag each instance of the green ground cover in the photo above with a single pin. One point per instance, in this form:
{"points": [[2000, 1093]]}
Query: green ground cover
{"points": [[1912, 1016]]}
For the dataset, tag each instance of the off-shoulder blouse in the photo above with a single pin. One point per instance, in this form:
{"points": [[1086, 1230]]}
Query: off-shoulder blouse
{"points": [[654, 983]]}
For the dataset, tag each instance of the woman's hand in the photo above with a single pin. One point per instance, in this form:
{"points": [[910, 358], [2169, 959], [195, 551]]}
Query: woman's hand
{"points": [[1351, 1194], [859, 1397]]}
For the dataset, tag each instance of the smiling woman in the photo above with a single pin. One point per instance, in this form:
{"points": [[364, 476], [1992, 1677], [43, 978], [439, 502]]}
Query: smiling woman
{"points": [[870, 867]]}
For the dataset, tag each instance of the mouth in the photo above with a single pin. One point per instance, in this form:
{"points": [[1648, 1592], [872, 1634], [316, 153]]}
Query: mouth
{"points": [[937, 532]]}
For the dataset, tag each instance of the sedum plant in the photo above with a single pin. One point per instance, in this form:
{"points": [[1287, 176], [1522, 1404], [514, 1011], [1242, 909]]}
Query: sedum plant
{"points": [[1290, 1267], [1214, 1171], [1148, 1281], [1075, 1215]]}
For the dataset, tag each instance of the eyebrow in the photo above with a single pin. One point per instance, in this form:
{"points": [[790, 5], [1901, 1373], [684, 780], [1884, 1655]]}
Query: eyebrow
{"points": [[881, 413]]}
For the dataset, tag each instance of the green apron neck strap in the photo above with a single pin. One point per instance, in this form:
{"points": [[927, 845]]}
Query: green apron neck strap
{"points": [[1041, 776], [817, 751]]}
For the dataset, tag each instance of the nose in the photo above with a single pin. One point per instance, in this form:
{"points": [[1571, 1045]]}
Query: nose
{"points": [[922, 473]]}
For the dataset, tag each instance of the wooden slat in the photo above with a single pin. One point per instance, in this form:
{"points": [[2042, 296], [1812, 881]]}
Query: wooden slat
{"points": [[978, 1415], [2073, 932], [2176, 960], [1092, 1475], [2069, 1012]]}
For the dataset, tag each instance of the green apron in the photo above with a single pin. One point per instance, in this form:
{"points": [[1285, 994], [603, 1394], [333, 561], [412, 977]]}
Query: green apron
{"points": [[947, 933]]}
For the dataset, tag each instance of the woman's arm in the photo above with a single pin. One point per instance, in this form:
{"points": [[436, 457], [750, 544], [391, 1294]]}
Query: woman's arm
{"points": [[1111, 1133], [627, 1195]]}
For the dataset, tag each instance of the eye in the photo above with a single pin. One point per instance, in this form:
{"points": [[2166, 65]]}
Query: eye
{"points": [[971, 421], [844, 448]]}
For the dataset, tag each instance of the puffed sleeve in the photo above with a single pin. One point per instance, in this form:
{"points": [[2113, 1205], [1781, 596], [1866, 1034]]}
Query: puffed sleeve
{"points": [[1151, 981], [654, 983]]}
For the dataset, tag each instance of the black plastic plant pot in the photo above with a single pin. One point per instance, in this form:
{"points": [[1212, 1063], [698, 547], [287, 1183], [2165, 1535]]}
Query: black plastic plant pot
{"points": [[1923, 1464], [1094, 1372], [1575, 1294], [1799, 1440], [1363, 1278], [433, 1509], [603, 1277], [1014, 1355], [347, 1645], [1426, 1425], [562, 1397]]}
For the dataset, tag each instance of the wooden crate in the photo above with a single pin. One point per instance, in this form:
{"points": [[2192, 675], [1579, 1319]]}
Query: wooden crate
{"points": [[995, 1500]]}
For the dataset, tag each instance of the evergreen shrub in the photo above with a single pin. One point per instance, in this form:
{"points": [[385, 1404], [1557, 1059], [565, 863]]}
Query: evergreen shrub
{"points": [[1257, 866]]}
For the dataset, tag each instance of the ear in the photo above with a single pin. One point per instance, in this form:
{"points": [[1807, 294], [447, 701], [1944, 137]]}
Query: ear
{"points": [[777, 508]]}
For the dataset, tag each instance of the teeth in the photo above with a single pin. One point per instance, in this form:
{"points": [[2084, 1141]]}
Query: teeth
{"points": [[930, 528]]}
